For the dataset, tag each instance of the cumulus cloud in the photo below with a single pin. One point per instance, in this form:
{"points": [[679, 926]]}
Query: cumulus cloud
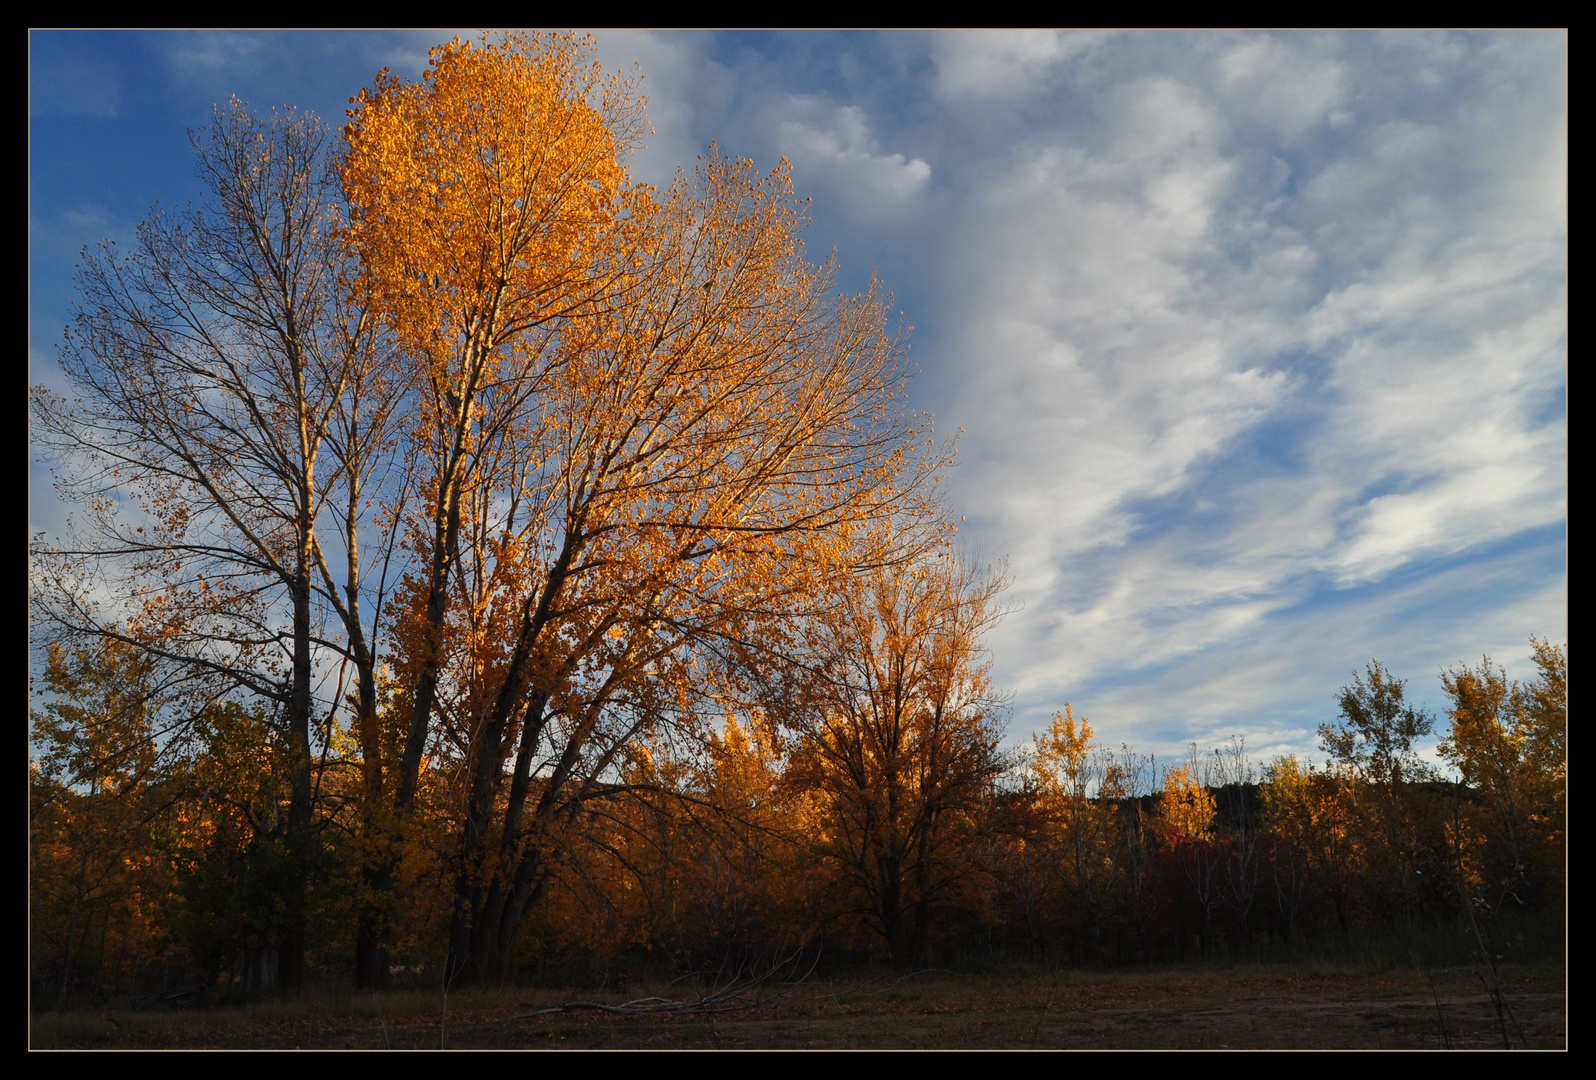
{"points": [[833, 145]]}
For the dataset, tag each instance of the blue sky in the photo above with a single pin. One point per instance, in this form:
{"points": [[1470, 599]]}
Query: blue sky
{"points": [[1258, 341]]}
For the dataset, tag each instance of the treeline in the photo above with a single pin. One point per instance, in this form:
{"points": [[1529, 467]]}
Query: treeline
{"points": [[164, 868], [1228, 860]]}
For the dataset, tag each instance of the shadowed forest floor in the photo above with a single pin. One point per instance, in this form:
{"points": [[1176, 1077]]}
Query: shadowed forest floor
{"points": [[1262, 1007]]}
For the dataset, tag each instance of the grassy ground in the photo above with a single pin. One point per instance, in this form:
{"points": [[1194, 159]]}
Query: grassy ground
{"points": [[1273, 1007]]}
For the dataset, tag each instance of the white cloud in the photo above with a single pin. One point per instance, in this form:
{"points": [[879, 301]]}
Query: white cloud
{"points": [[986, 63], [1097, 372], [1287, 89], [833, 145], [686, 90]]}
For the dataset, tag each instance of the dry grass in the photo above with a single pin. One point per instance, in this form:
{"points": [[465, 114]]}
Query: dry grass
{"points": [[1264, 1007]]}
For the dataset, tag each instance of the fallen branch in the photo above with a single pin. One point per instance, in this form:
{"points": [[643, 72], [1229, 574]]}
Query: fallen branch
{"points": [[170, 997], [890, 986]]}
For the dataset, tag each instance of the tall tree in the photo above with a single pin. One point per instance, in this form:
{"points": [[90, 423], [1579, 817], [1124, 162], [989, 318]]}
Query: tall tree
{"points": [[599, 441], [645, 428], [207, 367], [484, 209], [708, 451], [485, 205]]}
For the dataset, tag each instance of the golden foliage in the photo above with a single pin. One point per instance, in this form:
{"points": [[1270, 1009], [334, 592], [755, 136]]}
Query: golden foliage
{"points": [[896, 728], [482, 196], [1187, 806], [1508, 741]]}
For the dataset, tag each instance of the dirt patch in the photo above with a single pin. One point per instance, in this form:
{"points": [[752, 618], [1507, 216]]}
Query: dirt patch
{"points": [[1258, 1008]]}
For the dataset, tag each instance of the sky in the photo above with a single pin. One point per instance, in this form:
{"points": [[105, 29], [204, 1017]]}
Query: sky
{"points": [[1257, 342]]}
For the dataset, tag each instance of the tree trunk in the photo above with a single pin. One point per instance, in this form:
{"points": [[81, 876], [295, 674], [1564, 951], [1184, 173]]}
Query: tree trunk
{"points": [[290, 950]]}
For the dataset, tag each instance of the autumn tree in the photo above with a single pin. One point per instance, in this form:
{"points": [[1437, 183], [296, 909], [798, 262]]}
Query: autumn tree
{"points": [[707, 453], [1019, 865], [1374, 739], [1541, 706], [95, 762], [485, 206], [751, 836], [1288, 816], [894, 723], [1507, 742], [1081, 788], [1188, 810], [643, 426], [706, 862], [234, 883], [481, 200]]}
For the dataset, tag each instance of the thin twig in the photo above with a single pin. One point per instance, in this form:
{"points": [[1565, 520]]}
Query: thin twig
{"points": [[1446, 1038]]}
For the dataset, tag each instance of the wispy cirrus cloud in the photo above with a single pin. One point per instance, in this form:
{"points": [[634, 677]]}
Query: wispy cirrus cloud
{"points": [[1236, 333]]}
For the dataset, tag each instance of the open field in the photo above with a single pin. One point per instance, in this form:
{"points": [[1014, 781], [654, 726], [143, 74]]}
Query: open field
{"points": [[1263, 1007]]}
